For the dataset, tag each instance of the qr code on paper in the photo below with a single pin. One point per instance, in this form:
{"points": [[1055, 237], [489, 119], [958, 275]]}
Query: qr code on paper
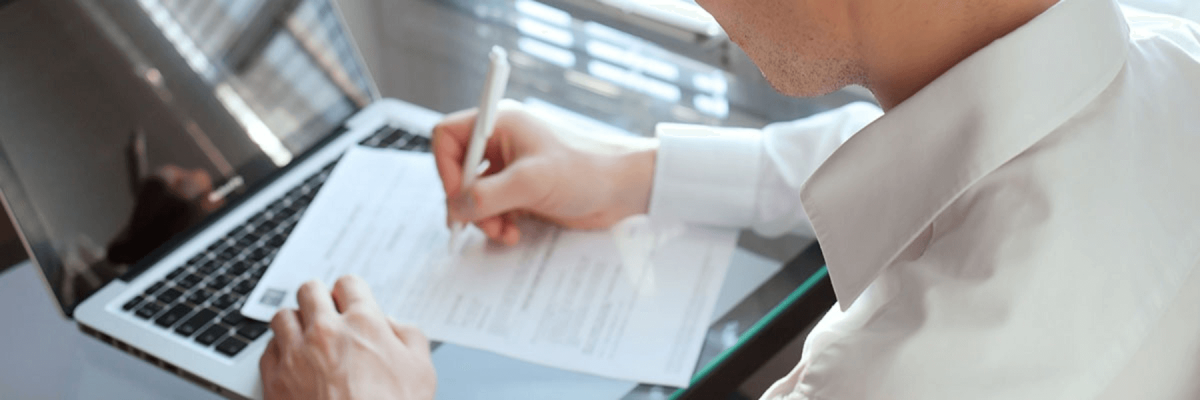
{"points": [[273, 297]]}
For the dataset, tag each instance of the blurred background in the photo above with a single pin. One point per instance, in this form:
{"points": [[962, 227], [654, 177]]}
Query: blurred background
{"points": [[282, 73]]}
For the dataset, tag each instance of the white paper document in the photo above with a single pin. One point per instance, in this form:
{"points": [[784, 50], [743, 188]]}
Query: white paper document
{"points": [[630, 303]]}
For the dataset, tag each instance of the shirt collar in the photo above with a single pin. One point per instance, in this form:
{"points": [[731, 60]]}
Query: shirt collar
{"points": [[885, 185]]}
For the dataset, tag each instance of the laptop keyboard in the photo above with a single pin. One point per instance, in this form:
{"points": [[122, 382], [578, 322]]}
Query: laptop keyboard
{"points": [[200, 299]]}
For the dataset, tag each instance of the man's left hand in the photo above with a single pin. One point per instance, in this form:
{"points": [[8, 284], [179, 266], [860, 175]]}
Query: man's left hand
{"points": [[342, 346]]}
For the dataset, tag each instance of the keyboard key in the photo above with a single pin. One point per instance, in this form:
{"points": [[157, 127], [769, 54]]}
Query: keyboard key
{"points": [[294, 209], [227, 254], [244, 241], [245, 286], [379, 135], [219, 282], [239, 267], [252, 329], [224, 301], [175, 274], [189, 280], [129, 305], [401, 144], [211, 334], [266, 226], [231, 346], [199, 296], [189, 327], [170, 295], [154, 288], [259, 253], [173, 315], [234, 318], [393, 135], [149, 309], [208, 267], [242, 230]]}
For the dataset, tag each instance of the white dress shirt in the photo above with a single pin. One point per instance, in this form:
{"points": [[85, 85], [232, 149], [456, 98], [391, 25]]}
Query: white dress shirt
{"points": [[1027, 226]]}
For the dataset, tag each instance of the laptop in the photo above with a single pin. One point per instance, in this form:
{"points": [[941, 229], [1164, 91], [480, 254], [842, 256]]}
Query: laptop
{"points": [[151, 192]]}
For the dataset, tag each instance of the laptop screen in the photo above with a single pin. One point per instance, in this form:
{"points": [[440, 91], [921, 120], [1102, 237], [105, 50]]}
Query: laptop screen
{"points": [[125, 124]]}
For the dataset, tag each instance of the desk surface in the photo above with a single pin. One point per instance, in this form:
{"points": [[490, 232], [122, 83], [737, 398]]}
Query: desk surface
{"points": [[428, 53], [47, 357]]}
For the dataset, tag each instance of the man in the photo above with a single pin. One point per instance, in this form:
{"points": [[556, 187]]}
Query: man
{"points": [[1023, 221]]}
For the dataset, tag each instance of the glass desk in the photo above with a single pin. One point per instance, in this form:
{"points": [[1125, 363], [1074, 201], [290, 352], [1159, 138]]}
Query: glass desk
{"points": [[279, 72]]}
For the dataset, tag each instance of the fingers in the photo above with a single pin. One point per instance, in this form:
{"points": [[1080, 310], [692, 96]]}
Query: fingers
{"points": [[492, 227], [410, 336], [520, 186], [315, 302], [286, 328], [450, 138], [510, 234], [350, 292], [287, 335], [268, 360]]}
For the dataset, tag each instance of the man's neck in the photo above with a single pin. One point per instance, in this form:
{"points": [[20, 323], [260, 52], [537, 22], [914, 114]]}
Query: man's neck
{"points": [[906, 48]]}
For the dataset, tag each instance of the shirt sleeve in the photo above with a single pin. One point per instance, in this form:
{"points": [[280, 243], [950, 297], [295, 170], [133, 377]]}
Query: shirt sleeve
{"points": [[737, 177]]}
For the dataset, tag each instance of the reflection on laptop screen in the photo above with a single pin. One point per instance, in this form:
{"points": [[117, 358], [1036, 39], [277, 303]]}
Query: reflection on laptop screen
{"points": [[125, 124]]}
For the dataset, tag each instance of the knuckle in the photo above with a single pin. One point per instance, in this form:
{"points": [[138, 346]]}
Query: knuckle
{"points": [[510, 107], [322, 329], [352, 314], [512, 114], [361, 316]]}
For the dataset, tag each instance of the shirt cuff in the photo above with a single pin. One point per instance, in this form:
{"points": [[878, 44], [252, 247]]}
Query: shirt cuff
{"points": [[706, 175]]}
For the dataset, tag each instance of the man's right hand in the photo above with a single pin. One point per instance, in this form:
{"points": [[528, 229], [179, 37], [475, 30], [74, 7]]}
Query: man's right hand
{"points": [[566, 177]]}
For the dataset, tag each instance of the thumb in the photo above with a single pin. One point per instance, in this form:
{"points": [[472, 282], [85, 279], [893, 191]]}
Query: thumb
{"points": [[517, 187]]}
